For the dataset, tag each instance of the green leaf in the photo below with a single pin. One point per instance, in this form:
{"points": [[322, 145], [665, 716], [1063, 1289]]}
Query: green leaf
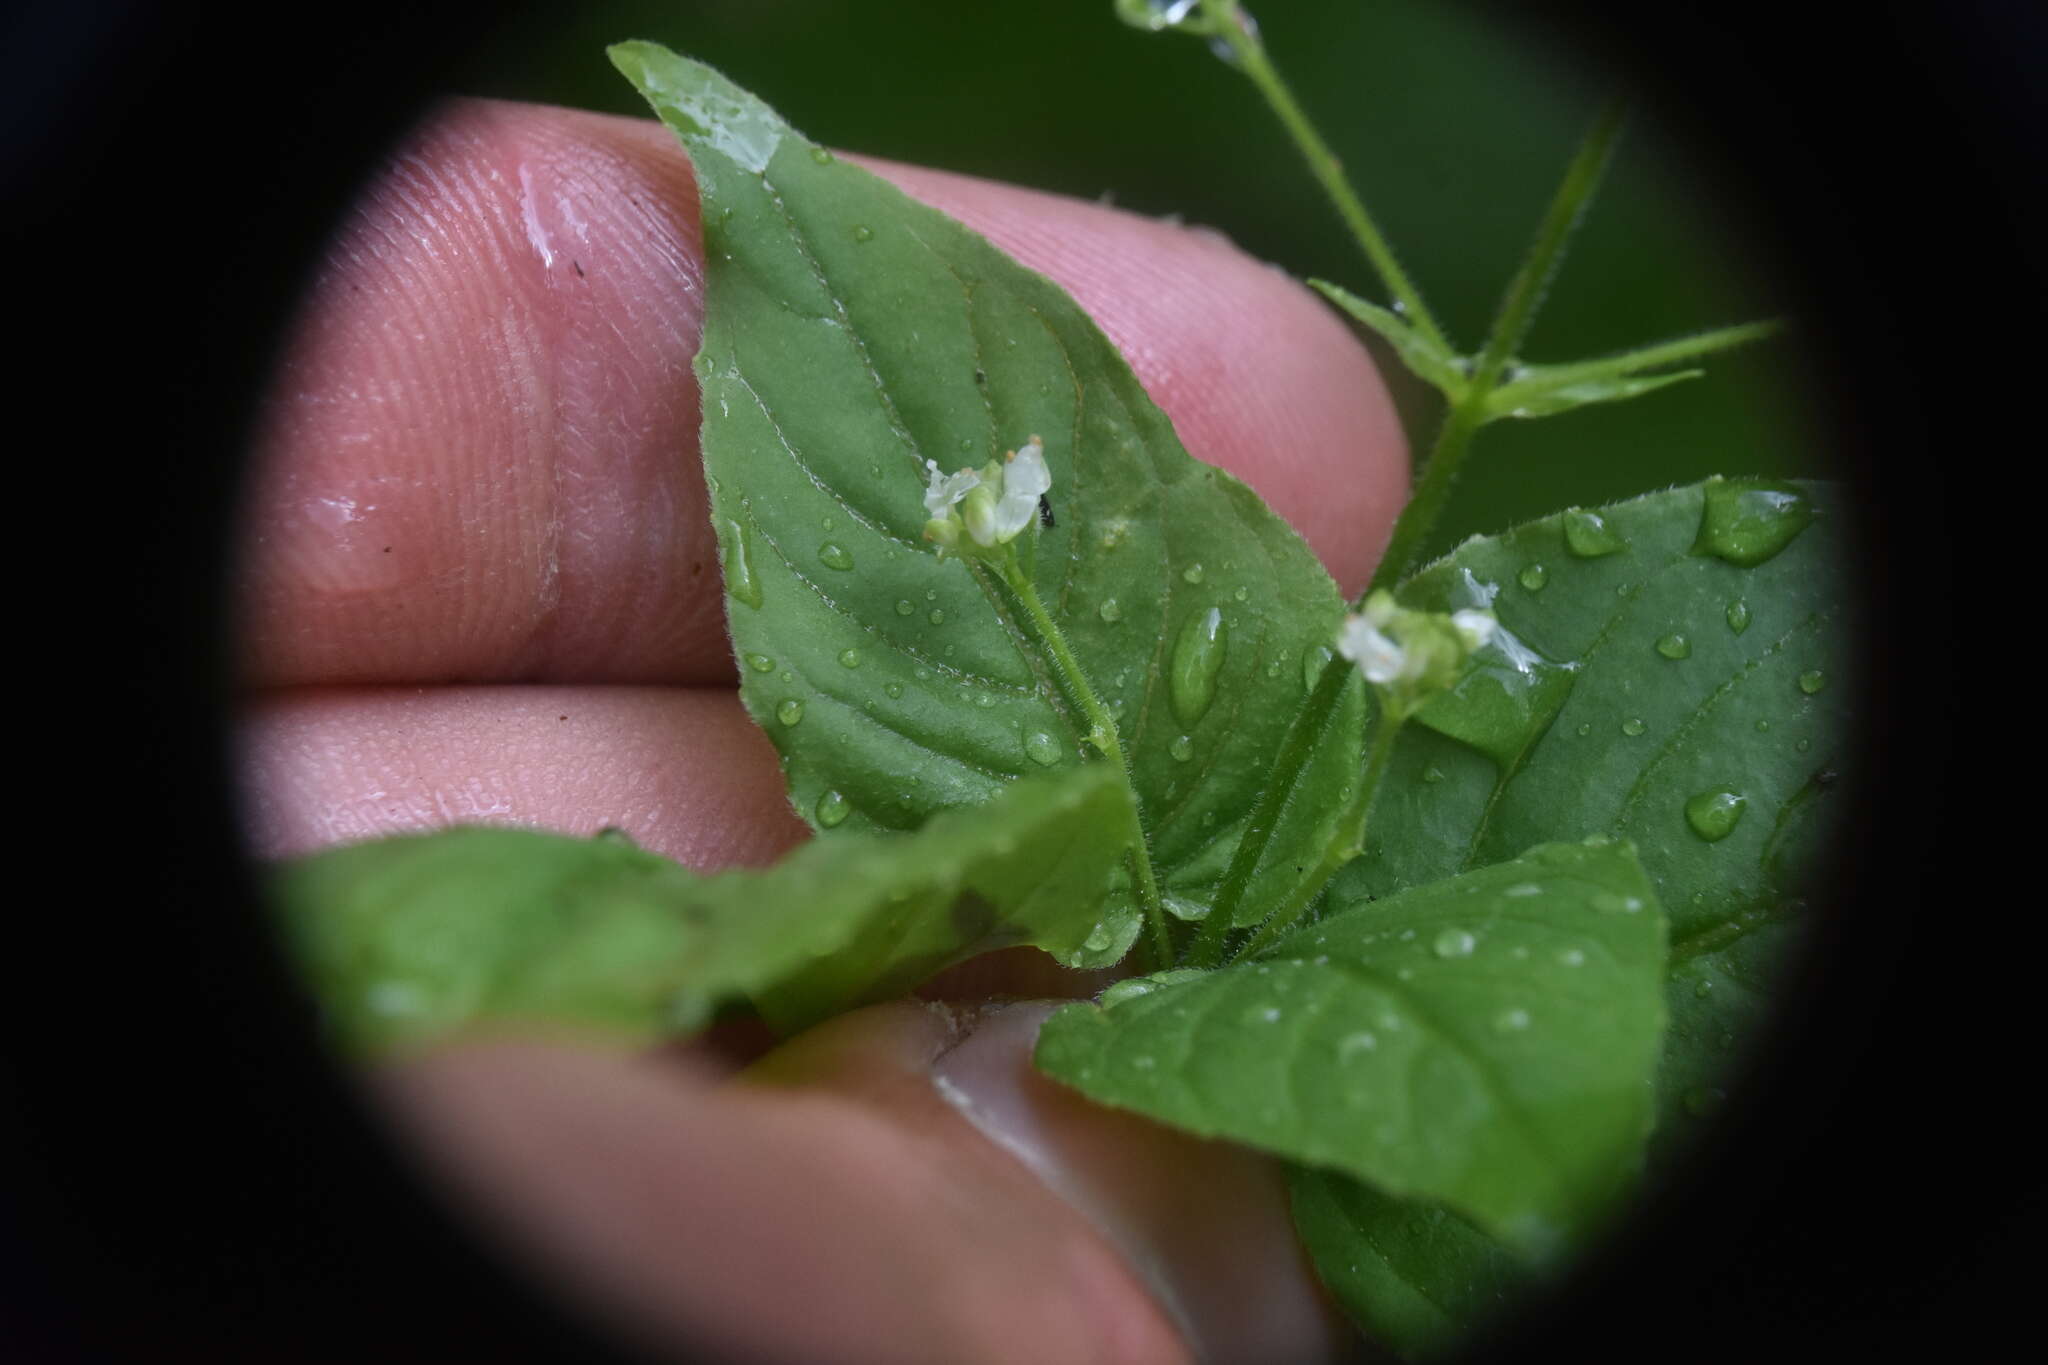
{"points": [[1415, 1278], [852, 334], [1429, 361], [1534, 393], [1486, 1042], [1674, 647], [411, 938]]}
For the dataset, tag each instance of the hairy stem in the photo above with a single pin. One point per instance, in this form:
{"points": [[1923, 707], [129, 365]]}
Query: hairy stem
{"points": [[1350, 841], [1102, 733], [1519, 304], [1518, 307], [1249, 56]]}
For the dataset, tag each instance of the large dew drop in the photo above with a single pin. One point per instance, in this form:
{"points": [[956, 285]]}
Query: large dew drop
{"points": [[1714, 814], [790, 712], [1746, 521], [835, 556], [831, 810], [1197, 659], [1042, 748], [739, 565]]}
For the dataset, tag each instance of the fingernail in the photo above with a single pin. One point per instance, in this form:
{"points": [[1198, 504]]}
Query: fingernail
{"points": [[1204, 1225]]}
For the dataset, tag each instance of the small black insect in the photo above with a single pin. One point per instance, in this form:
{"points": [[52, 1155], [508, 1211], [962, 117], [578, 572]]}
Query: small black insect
{"points": [[1044, 511]]}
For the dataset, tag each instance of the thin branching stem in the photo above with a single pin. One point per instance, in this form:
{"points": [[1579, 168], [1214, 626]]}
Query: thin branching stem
{"points": [[1249, 54]]}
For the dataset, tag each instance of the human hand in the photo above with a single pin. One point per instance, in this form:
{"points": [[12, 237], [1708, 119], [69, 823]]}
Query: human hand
{"points": [[480, 584]]}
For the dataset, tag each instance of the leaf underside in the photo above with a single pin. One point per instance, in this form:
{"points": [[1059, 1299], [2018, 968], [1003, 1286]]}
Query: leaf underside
{"points": [[417, 937]]}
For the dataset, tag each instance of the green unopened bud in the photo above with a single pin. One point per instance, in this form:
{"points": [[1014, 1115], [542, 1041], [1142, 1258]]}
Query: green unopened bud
{"points": [[978, 510]]}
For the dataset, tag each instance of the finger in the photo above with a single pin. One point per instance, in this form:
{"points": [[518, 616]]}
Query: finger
{"points": [[841, 1203], [480, 462], [682, 770]]}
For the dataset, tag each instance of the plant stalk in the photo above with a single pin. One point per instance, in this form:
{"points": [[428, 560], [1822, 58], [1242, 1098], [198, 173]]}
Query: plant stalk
{"points": [[1102, 733], [1250, 57]]}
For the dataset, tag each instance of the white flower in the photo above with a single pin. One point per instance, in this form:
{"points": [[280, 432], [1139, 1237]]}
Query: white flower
{"points": [[995, 502], [1376, 654], [1025, 480], [1475, 626], [946, 490]]}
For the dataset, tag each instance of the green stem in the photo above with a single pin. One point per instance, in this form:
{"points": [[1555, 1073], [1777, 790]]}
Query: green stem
{"points": [[1439, 472], [1341, 850], [1518, 307], [1542, 378], [1250, 57], [1102, 733], [1304, 733]]}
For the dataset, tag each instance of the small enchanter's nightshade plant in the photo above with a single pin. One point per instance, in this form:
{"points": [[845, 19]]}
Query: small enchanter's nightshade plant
{"points": [[1415, 893]]}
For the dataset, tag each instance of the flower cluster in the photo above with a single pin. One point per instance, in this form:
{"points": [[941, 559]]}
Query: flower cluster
{"points": [[1410, 656], [977, 511]]}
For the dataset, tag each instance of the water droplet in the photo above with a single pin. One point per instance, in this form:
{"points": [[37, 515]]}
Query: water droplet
{"points": [[1587, 535], [937, 616], [1042, 748], [1702, 989], [1313, 660], [1585, 728], [834, 556], [1738, 616], [1197, 659], [821, 156], [1675, 646], [849, 658], [760, 663], [1803, 745], [1533, 577], [904, 606], [828, 524], [1454, 943], [1241, 595], [1746, 521], [1111, 610], [894, 689], [1273, 669], [1182, 748], [1193, 573], [1432, 774], [787, 676], [1511, 1021], [790, 711], [738, 554], [1633, 726], [1571, 957], [1611, 903], [863, 233], [1714, 814], [1763, 727], [1812, 682], [832, 809], [1353, 1044]]}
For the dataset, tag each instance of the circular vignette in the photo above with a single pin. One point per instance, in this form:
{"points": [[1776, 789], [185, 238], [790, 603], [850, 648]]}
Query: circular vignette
{"points": [[201, 1183]]}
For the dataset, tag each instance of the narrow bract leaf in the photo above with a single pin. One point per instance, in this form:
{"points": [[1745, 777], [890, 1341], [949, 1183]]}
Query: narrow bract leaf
{"points": [[1416, 1278], [1531, 395], [1486, 1042], [412, 938], [851, 336], [1680, 678], [1428, 360]]}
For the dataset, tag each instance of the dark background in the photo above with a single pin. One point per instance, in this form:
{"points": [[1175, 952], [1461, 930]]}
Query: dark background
{"points": [[191, 1182]]}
